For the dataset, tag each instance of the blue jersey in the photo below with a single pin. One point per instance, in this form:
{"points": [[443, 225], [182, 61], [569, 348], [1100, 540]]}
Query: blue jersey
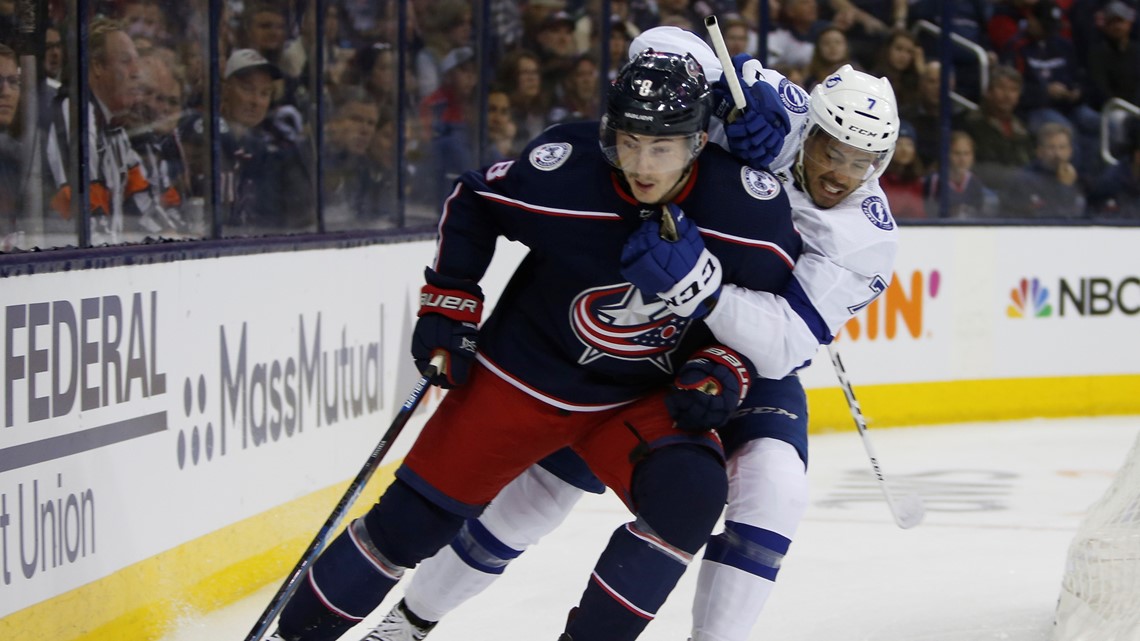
{"points": [[569, 329]]}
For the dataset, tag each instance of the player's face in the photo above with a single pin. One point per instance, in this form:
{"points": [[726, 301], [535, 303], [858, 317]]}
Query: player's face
{"points": [[832, 170], [654, 165], [9, 91]]}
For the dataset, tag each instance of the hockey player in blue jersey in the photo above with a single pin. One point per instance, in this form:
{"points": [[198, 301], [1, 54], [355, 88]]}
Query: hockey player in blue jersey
{"points": [[850, 244], [582, 349]]}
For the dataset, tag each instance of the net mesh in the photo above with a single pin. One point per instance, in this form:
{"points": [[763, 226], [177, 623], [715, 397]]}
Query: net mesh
{"points": [[1100, 592]]}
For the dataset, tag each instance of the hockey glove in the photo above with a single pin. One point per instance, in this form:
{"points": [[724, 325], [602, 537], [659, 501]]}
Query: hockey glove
{"points": [[757, 134], [450, 310], [708, 389], [684, 273]]}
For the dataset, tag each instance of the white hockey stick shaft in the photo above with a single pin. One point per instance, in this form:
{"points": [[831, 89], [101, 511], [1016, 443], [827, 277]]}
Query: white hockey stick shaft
{"points": [[668, 225], [907, 509], [727, 69]]}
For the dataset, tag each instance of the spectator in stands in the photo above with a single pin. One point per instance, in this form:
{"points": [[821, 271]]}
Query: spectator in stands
{"points": [[925, 114], [347, 184], [265, 28], [865, 23], [902, 181], [736, 34], [687, 14], [577, 97], [830, 53], [968, 196], [970, 19], [503, 140], [1048, 66], [554, 42], [446, 27], [1002, 141], [152, 125], [11, 157], [621, 34], [520, 74], [118, 196], [53, 55], [1049, 187], [1008, 18], [448, 115], [145, 19], [792, 42], [1116, 193], [901, 61], [266, 180], [1112, 62]]}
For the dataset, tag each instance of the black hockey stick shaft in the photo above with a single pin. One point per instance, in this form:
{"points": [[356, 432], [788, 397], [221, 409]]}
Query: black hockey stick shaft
{"points": [[350, 495]]}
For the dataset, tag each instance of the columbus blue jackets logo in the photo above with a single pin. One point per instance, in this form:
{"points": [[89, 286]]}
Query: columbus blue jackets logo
{"points": [[795, 99], [550, 156], [876, 211], [617, 321], [759, 184]]}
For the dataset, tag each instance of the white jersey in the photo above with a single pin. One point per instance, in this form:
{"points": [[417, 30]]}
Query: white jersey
{"points": [[849, 249]]}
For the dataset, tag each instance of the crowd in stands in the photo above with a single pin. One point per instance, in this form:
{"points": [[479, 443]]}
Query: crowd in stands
{"points": [[1024, 145]]}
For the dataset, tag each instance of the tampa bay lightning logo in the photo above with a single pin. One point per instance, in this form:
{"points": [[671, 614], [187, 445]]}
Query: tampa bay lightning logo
{"points": [[876, 211], [550, 156], [617, 321], [795, 99], [759, 184]]}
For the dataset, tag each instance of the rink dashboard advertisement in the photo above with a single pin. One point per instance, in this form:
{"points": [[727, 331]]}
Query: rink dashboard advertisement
{"points": [[147, 407]]}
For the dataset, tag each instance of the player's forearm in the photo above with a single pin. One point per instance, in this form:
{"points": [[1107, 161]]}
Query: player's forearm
{"points": [[763, 327]]}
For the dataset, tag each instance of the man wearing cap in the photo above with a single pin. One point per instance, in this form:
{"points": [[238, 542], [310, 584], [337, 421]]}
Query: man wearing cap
{"points": [[447, 116], [265, 180], [118, 196], [1113, 59]]}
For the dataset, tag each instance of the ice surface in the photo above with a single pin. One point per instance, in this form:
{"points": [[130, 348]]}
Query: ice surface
{"points": [[1002, 499]]}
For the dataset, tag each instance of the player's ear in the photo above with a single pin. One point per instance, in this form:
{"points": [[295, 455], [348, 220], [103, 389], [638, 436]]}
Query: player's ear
{"points": [[701, 144]]}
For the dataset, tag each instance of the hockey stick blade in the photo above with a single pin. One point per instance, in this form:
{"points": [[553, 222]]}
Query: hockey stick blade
{"points": [[289, 586], [908, 509]]}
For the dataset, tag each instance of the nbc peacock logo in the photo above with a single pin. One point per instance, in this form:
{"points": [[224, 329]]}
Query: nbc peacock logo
{"points": [[1029, 299]]}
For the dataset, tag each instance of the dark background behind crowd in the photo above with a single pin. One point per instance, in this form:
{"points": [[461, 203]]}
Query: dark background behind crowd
{"points": [[358, 114]]}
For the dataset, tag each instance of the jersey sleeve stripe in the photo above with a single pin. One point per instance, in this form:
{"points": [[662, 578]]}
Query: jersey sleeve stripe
{"points": [[750, 242], [800, 303], [547, 211]]}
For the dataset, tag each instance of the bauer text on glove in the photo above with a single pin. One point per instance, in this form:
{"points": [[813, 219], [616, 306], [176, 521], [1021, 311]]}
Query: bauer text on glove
{"points": [[450, 311]]}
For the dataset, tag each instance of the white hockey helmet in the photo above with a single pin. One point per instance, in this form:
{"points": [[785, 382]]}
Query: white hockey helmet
{"points": [[859, 110]]}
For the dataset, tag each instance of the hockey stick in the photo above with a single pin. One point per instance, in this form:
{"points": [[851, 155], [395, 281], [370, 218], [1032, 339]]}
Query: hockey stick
{"points": [[668, 225], [354, 489], [907, 509], [727, 68]]}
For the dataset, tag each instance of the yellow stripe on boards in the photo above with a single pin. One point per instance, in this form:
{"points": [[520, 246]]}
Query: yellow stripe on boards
{"points": [[916, 404], [147, 600]]}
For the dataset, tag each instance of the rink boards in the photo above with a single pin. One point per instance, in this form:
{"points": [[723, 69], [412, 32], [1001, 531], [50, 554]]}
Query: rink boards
{"points": [[175, 432]]}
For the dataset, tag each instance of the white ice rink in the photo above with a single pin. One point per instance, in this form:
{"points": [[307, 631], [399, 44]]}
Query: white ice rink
{"points": [[1003, 501]]}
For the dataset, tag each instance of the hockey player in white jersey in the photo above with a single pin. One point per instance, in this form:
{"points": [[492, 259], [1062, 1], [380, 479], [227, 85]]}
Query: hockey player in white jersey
{"points": [[839, 142]]}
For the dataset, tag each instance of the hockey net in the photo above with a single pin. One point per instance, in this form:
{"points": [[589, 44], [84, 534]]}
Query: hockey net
{"points": [[1100, 593]]}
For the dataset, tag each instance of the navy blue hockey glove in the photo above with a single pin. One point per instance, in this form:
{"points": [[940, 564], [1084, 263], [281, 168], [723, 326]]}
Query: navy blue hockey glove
{"points": [[683, 273], [757, 134], [708, 389], [450, 310]]}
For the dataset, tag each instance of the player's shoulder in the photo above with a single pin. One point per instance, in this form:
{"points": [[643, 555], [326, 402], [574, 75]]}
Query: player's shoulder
{"points": [[871, 202], [559, 148], [726, 176]]}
